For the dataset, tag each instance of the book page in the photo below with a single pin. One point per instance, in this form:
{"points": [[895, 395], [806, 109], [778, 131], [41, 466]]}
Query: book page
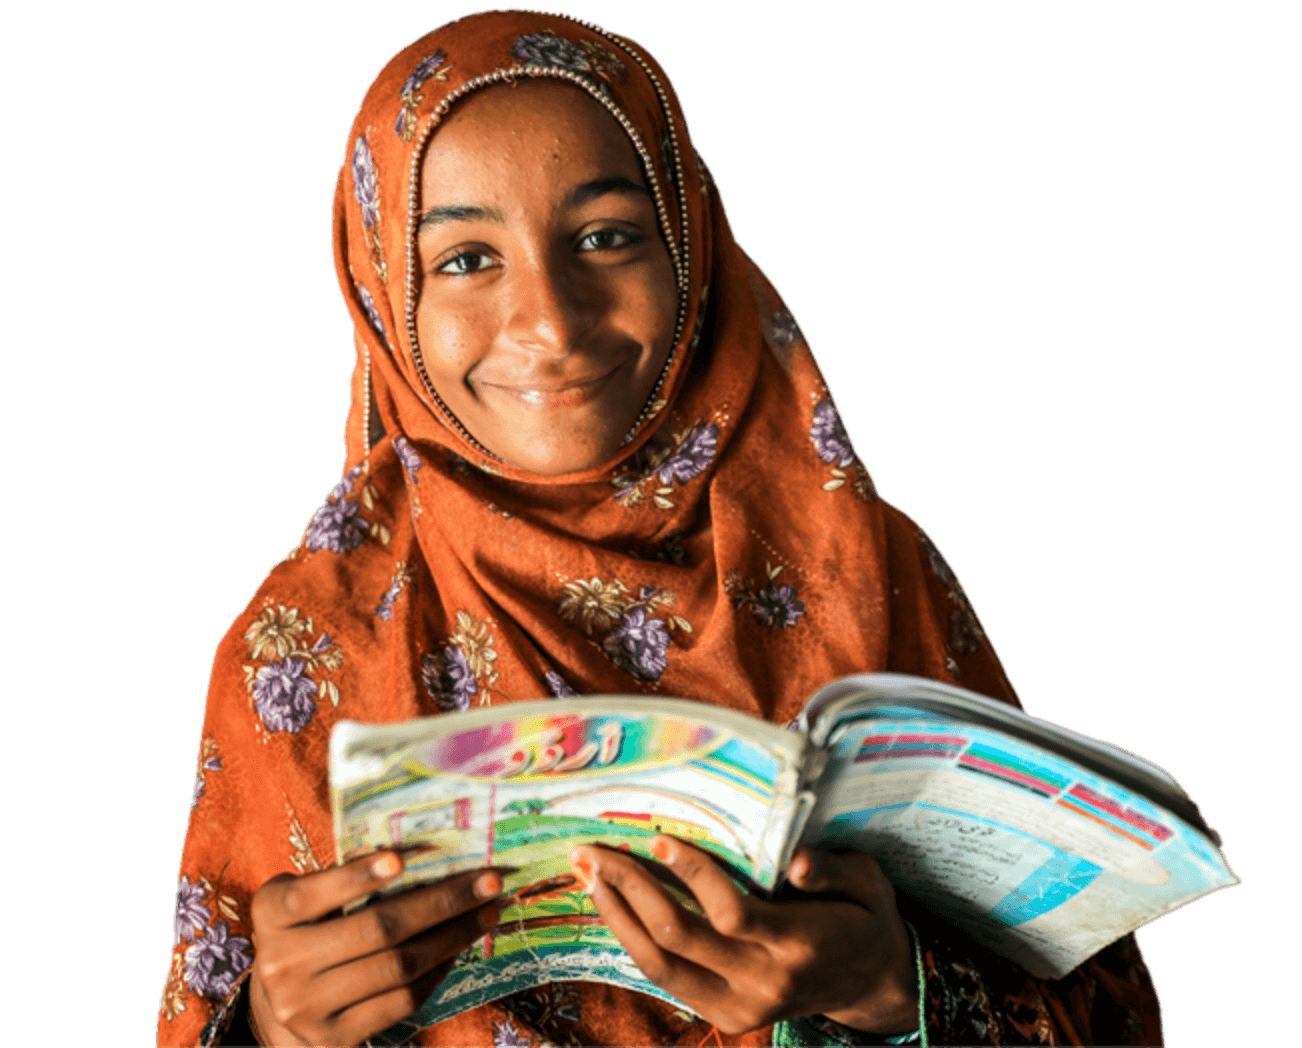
{"points": [[1034, 856], [522, 790]]}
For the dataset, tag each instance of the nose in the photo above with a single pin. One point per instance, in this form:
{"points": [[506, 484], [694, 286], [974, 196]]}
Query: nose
{"points": [[550, 310]]}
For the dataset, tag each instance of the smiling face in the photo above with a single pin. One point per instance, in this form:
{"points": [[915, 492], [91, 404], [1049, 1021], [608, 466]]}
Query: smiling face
{"points": [[547, 302]]}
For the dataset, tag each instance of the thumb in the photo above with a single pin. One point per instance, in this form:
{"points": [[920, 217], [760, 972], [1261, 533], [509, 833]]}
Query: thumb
{"points": [[852, 875]]}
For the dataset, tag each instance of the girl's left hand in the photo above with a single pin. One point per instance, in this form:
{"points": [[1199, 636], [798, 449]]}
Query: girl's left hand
{"points": [[749, 962]]}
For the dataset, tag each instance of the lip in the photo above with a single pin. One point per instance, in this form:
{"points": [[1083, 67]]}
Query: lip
{"points": [[546, 397]]}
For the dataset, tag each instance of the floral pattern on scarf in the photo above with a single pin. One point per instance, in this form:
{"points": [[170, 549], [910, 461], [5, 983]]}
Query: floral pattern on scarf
{"points": [[283, 690], [401, 577], [593, 60], [774, 605], [408, 456], [338, 525], [207, 959], [832, 445], [431, 66], [630, 635], [372, 314], [660, 465], [367, 191], [551, 1010], [209, 760], [463, 668]]}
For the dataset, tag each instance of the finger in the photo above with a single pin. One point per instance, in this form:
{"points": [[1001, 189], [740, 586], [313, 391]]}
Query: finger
{"points": [[854, 876], [367, 1018], [672, 928], [286, 901], [394, 920], [694, 985], [377, 974], [730, 912]]}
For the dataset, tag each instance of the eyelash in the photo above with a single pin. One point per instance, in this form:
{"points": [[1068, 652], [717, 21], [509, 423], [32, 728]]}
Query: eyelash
{"points": [[623, 236]]}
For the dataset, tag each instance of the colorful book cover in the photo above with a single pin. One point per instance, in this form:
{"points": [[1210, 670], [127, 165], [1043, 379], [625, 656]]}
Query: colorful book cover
{"points": [[518, 787]]}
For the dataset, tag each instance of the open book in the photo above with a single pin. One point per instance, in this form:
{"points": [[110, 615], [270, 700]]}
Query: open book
{"points": [[1042, 844]]}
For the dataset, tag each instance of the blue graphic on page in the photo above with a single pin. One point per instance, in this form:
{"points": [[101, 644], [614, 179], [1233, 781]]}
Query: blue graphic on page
{"points": [[1056, 881]]}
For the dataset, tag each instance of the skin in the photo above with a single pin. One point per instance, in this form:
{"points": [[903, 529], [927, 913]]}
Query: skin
{"points": [[749, 962], [322, 978], [547, 301]]}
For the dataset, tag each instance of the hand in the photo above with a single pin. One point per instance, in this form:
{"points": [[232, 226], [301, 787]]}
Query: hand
{"points": [[321, 978], [749, 962]]}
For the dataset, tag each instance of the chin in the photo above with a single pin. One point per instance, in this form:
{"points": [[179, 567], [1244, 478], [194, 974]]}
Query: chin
{"points": [[554, 457]]}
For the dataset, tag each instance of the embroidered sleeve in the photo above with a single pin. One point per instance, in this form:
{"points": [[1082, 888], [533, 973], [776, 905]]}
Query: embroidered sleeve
{"points": [[973, 996]]}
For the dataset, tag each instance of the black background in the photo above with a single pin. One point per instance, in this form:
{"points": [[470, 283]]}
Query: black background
{"points": [[981, 231]]}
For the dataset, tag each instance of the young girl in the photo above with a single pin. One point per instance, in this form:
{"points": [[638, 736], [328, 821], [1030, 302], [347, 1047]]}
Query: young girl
{"points": [[589, 452]]}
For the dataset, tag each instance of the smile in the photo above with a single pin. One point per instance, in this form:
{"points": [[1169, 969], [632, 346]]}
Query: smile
{"points": [[548, 397]]}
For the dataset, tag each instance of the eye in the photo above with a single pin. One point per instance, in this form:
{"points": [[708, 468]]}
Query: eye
{"points": [[608, 240], [466, 262]]}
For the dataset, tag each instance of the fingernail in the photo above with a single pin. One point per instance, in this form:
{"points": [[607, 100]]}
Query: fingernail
{"points": [[488, 886], [489, 917], [583, 871], [662, 849], [811, 866], [386, 866]]}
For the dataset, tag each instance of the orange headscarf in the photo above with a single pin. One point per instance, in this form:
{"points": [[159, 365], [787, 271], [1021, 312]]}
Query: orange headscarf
{"points": [[733, 551]]}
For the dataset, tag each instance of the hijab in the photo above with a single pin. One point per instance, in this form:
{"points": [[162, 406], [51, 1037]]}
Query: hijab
{"points": [[733, 550]]}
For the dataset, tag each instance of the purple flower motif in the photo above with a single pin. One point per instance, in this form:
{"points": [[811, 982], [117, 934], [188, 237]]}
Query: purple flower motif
{"points": [[777, 606], [411, 461], [191, 913], [638, 645], [365, 185], [548, 49], [199, 790], [691, 456], [783, 329], [829, 436], [368, 304], [282, 695], [448, 679], [336, 527], [423, 71], [345, 486], [505, 1035], [213, 964], [384, 610], [322, 643], [557, 685]]}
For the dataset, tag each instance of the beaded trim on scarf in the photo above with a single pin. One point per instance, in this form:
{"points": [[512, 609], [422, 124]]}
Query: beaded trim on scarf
{"points": [[679, 255]]}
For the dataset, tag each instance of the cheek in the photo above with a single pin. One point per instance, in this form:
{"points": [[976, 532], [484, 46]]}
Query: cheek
{"points": [[653, 305], [451, 344]]}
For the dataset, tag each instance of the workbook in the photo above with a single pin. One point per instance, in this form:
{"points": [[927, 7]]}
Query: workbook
{"points": [[1042, 844]]}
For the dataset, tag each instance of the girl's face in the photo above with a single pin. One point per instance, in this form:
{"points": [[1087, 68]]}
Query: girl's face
{"points": [[547, 300]]}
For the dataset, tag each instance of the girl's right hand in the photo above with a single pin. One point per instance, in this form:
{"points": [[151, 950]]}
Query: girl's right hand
{"points": [[322, 978]]}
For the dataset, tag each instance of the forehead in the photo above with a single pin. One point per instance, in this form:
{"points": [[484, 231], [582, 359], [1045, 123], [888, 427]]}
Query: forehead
{"points": [[518, 136]]}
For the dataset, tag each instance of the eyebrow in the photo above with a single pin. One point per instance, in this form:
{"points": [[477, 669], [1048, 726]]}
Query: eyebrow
{"points": [[600, 187], [583, 194], [439, 215]]}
